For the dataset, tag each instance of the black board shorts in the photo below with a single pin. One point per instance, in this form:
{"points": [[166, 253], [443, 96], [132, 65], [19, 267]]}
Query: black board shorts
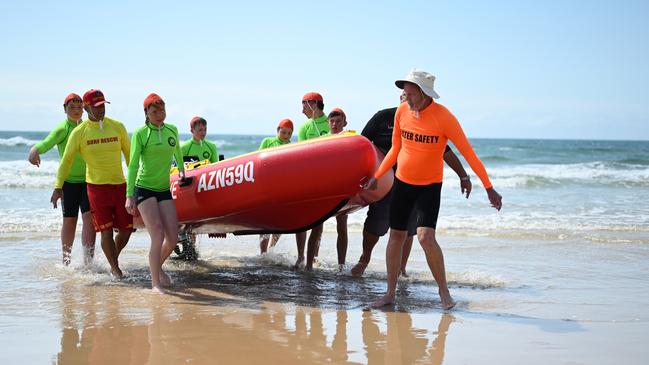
{"points": [[377, 221], [75, 197], [142, 194], [424, 199]]}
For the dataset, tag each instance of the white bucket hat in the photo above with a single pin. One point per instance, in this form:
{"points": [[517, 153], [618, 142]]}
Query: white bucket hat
{"points": [[423, 79]]}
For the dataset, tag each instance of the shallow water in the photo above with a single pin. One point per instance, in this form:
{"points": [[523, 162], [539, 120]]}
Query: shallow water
{"points": [[559, 276], [515, 298]]}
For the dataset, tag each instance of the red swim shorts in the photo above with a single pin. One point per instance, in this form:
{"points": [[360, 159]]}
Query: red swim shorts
{"points": [[107, 206]]}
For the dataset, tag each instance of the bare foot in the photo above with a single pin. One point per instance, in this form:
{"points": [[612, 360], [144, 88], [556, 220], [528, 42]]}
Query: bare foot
{"points": [[359, 269], [116, 273], [386, 300], [341, 268], [403, 273], [299, 264], [165, 280], [447, 301], [158, 290]]}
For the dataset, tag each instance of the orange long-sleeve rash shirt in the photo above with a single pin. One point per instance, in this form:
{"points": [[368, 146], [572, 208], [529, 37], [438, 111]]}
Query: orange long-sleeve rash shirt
{"points": [[418, 145]]}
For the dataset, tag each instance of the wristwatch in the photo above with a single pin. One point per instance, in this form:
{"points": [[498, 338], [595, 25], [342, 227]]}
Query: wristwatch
{"points": [[465, 178]]}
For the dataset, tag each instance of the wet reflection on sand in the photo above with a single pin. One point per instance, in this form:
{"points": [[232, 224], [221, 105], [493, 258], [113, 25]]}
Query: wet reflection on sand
{"points": [[122, 324]]}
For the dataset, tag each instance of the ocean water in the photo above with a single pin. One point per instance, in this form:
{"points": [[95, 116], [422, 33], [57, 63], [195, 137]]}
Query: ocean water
{"points": [[564, 261], [558, 189]]}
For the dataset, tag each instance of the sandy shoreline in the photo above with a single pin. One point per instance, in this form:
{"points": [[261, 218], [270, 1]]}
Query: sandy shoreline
{"points": [[234, 308]]}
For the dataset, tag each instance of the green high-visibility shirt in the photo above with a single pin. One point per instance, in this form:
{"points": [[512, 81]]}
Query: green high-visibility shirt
{"points": [[59, 137], [152, 150]]}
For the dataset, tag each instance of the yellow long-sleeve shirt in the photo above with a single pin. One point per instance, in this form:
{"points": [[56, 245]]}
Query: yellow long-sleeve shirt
{"points": [[100, 146]]}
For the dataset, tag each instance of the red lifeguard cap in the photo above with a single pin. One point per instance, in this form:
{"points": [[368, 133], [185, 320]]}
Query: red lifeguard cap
{"points": [[195, 120], [152, 98], [94, 97], [337, 111], [312, 96], [70, 97], [285, 123]]}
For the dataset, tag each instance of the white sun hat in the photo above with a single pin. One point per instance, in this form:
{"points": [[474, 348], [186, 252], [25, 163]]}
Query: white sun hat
{"points": [[423, 79]]}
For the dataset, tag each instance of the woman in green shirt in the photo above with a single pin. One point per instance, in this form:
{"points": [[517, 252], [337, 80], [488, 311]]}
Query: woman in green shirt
{"points": [[152, 148]]}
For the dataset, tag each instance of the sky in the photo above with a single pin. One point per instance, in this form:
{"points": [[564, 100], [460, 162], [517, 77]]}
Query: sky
{"points": [[506, 69]]}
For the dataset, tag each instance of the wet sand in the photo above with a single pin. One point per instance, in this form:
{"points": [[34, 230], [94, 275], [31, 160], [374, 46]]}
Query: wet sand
{"points": [[246, 309]]}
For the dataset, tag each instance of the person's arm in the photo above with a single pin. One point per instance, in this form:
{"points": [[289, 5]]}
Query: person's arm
{"points": [[55, 137], [134, 165], [456, 135], [214, 157], [390, 158], [178, 156], [126, 144], [454, 163], [71, 150]]}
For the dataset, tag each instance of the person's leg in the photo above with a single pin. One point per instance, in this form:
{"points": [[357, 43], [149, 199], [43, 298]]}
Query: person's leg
{"points": [[88, 234], [300, 241], [154, 225], [88, 237], [376, 225], [428, 210], [70, 207], [369, 241], [263, 243], [123, 220], [393, 263], [170, 221], [342, 241], [312, 246], [435, 260], [100, 198], [108, 246], [407, 247], [274, 239], [68, 229], [404, 197]]}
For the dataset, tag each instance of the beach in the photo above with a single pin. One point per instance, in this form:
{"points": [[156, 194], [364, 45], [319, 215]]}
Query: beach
{"points": [[559, 276]]}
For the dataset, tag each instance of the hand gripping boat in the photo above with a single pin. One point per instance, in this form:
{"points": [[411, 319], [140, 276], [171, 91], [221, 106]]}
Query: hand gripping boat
{"points": [[283, 189]]}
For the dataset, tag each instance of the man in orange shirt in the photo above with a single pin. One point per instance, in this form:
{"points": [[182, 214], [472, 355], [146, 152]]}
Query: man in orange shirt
{"points": [[421, 131]]}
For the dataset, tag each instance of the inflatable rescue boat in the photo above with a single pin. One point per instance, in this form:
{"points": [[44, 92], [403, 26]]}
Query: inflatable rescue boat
{"points": [[283, 189]]}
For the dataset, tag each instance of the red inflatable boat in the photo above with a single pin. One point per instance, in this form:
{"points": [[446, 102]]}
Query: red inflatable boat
{"points": [[282, 189]]}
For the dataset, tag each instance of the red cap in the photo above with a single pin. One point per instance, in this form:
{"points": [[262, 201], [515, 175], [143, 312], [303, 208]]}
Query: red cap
{"points": [[94, 97], [312, 96], [152, 98], [71, 96], [285, 123], [337, 111], [196, 120]]}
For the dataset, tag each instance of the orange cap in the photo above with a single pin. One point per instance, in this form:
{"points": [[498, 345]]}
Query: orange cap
{"points": [[337, 111], [195, 120], [285, 123], [70, 97], [312, 96], [152, 98]]}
